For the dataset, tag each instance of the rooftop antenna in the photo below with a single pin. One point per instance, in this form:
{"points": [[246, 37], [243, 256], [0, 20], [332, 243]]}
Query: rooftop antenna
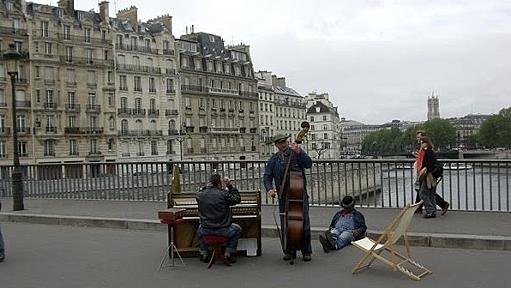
{"points": [[115, 6]]}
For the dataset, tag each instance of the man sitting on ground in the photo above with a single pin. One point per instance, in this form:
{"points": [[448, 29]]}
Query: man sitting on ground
{"points": [[347, 225], [214, 203]]}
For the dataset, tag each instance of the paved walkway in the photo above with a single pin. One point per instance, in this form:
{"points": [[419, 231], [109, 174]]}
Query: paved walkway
{"points": [[56, 256], [480, 230]]}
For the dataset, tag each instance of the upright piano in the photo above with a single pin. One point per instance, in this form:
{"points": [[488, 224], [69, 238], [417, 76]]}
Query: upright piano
{"points": [[247, 214]]}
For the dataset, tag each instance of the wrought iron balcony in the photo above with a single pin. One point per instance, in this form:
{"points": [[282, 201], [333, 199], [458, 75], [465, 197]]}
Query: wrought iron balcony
{"points": [[93, 108], [171, 112], [51, 129], [5, 131], [129, 47], [50, 106], [138, 68], [23, 130], [7, 30], [71, 107], [168, 52], [83, 130], [153, 113], [224, 130]]}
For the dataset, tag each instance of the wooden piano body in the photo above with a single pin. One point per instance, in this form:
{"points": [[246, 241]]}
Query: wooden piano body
{"points": [[247, 214]]}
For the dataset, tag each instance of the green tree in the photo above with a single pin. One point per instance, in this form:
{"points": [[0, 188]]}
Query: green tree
{"points": [[496, 130], [441, 132], [408, 139], [383, 142]]}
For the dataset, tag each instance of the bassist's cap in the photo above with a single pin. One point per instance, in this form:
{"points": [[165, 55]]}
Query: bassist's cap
{"points": [[280, 138]]}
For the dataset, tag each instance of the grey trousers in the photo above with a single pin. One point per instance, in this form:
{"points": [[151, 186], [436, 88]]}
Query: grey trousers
{"points": [[428, 196]]}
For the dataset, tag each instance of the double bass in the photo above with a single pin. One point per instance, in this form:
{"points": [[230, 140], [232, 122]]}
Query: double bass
{"points": [[293, 191]]}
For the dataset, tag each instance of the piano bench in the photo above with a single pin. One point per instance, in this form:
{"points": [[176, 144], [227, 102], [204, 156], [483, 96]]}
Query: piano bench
{"points": [[216, 242]]}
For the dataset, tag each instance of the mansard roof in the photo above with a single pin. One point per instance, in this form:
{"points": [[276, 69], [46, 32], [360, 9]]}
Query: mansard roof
{"points": [[322, 109], [147, 28], [58, 13], [286, 90]]}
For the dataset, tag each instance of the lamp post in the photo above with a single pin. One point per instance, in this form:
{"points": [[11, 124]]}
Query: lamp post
{"points": [[180, 138], [12, 57]]}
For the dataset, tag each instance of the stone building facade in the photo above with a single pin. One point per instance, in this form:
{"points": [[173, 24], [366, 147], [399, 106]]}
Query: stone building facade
{"points": [[219, 99], [146, 87], [281, 110], [66, 112], [325, 133]]}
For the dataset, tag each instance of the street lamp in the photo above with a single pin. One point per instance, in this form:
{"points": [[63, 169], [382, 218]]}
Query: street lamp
{"points": [[180, 138], [12, 57]]}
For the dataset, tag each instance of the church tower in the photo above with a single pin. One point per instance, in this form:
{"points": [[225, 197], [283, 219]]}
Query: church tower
{"points": [[433, 110]]}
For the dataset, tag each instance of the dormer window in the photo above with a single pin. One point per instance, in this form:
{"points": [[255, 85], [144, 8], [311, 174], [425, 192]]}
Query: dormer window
{"points": [[9, 5]]}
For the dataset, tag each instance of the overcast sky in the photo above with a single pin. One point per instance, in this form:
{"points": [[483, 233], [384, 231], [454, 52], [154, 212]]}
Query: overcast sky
{"points": [[378, 60]]}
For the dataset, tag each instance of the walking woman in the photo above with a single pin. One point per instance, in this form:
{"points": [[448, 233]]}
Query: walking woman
{"points": [[426, 161]]}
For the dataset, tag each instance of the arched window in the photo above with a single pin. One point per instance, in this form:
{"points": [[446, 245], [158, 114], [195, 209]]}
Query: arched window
{"points": [[139, 126], [124, 126]]}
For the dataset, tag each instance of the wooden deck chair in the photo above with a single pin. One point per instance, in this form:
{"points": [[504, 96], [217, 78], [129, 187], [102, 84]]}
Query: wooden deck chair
{"points": [[387, 243]]}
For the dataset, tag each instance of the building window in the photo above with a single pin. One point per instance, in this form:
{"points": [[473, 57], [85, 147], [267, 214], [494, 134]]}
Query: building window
{"points": [[67, 32], [137, 83], [111, 144], [111, 123], [154, 147], [152, 87], [3, 152], [93, 146], [49, 147], [89, 55], [69, 54], [73, 147], [124, 103], [44, 29], [138, 104], [169, 147], [22, 148], [123, 83], [72, 121], [87, 35], [111, 99], [47, 48], [124, 127], [170, 85]]}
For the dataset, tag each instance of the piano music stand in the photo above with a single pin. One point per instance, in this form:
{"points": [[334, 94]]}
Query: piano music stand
{"points": [[171, 249]]}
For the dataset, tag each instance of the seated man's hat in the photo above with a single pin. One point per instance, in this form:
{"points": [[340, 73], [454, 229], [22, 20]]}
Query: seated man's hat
{"points": [[348, 202]]}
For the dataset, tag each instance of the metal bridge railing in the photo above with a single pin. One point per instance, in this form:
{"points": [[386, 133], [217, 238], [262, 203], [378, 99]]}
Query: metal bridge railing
{"points": [[469, 185]]}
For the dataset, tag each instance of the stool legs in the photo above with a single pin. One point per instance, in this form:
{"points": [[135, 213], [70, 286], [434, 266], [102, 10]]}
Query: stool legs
{"points": [[169, 253], [217, 253]]}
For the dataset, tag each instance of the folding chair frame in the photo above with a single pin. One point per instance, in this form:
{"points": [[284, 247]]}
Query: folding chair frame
{"points": [[386, 242]]}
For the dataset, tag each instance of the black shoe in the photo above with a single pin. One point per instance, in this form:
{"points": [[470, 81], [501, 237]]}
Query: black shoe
{"points": [[204, 258], [287, 257], [330, 239], [2, 258], [231, 258], [445, 208], [430, 216], [325, 244], [307, 257]]}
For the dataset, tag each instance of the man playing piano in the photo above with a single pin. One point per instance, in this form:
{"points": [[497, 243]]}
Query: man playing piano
{"points": [[215, 215]]}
